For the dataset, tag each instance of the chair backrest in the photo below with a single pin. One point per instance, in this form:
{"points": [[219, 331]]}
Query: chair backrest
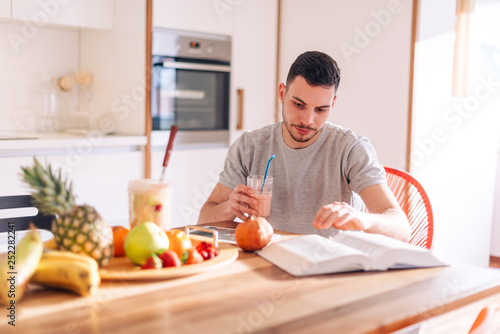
{"points": [[22, 223], [415, 204]]}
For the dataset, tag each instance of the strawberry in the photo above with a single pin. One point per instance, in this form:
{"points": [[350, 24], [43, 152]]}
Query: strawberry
{"points": [[204, 254], [194, 256], [202, 246], [207, 251], [153, 262], [170, 259]]}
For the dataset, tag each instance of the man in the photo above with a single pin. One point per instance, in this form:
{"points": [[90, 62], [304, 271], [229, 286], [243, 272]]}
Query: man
{"points": [[320, 170]]}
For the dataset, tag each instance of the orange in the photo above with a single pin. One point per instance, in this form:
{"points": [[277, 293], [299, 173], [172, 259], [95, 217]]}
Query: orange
{"points": [[119, 235], [253, 234], [179, 241]]}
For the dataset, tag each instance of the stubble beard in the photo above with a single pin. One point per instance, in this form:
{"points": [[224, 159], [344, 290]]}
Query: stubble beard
{"points": [[302, 126]]}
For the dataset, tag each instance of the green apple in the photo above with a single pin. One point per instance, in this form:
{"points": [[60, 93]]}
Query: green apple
{"points": [[144, 240]]}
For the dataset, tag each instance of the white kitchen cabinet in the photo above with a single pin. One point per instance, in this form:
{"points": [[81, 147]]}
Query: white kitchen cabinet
{"points": [[117, 59], [193, 15], [96, 14], [5, 9], [253, 64], [193, 174], [99, 179], [495, 228]]}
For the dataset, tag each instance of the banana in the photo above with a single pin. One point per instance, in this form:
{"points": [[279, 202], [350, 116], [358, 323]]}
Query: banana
{"points": [[50, 244], [18, 265], [69, 271]]}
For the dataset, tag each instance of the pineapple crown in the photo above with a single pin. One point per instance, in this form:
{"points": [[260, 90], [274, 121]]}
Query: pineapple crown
{"points": [[50, 192]]}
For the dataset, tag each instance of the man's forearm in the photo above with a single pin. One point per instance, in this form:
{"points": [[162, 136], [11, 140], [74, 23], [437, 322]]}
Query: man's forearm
{"points": [[213, 212], [392, 223]]}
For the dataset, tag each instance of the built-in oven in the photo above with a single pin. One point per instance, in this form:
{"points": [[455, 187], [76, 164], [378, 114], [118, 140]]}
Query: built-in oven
{"points": [[190, 84]]}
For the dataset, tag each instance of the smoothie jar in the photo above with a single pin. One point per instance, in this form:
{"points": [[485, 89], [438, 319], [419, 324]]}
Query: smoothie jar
{"points": [[150, 201]]}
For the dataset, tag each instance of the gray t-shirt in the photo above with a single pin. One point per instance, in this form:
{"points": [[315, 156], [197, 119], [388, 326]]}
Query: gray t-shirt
{"points": [[336, 167]]}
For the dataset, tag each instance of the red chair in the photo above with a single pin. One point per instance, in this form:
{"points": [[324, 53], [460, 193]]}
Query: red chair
{"points": [[483, 321], [415, 204]]}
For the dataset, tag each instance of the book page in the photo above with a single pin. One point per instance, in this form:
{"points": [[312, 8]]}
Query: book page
{"points": [[317, 249], [387, 252], [375, 245], [313, 254]]}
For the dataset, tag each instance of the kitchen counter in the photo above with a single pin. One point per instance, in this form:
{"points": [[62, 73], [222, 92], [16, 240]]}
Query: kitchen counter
{"points": [[21, 144]]}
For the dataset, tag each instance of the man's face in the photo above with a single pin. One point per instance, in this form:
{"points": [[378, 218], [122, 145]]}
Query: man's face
{"points": [[305, 110]]}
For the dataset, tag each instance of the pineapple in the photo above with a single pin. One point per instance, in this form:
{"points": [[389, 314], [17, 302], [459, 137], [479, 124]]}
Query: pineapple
{"points": [[76, 228]]}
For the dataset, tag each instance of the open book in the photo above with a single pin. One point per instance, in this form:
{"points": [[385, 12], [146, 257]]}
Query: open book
{"points": [[348, 251]]}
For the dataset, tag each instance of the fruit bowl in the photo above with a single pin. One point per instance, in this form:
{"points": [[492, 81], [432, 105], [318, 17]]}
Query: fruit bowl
{"points": [[122, 269]]}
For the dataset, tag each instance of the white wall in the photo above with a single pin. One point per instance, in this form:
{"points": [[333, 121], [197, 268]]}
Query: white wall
{"points": [[453, 156], [454, 148], [374, 59], [43, 53]]}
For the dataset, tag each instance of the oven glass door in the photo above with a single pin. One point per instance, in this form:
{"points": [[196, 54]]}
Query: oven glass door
{"points": [[191, 98]]}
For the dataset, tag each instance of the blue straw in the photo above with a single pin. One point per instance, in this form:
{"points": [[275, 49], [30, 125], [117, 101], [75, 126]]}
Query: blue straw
{"points": [[265, 175]]}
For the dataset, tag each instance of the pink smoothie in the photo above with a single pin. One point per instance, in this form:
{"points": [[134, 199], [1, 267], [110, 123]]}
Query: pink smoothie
{"points": [[264, 206]]}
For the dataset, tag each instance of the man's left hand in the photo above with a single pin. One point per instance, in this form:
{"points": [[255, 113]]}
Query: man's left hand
{"points": [[340, 215]]}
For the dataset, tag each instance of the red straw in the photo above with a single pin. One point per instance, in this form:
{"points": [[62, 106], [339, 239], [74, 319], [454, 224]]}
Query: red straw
{"points": [[173, 131]]}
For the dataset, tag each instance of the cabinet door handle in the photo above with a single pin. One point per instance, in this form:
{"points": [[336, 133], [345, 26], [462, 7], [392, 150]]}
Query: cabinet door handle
{"points": [[239, 124]]}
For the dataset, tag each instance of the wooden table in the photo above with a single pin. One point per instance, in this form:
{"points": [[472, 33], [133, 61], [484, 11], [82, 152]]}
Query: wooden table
{"points": [[251, 295]]}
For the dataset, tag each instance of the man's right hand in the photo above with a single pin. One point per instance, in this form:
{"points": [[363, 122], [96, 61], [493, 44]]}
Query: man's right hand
{"points": [[225, 203], [241, 201]]}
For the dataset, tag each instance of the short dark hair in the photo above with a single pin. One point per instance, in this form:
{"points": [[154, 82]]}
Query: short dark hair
{"points": [[317, 68]]}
